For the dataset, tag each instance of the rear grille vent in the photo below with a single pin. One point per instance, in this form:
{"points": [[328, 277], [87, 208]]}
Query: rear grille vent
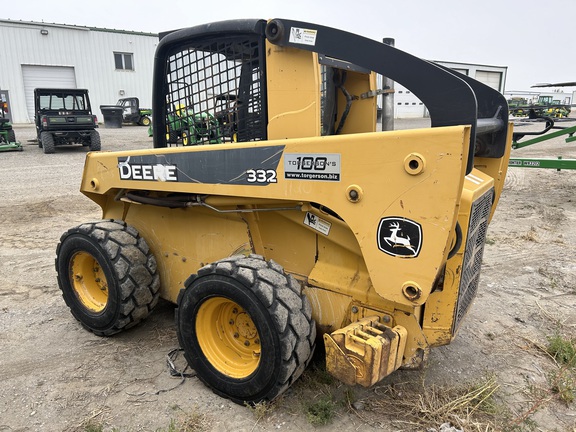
{"points": [[472, 262]]}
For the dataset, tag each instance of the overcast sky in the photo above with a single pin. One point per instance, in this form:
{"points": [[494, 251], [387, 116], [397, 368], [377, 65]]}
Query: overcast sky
{"points": [[533, 39]]}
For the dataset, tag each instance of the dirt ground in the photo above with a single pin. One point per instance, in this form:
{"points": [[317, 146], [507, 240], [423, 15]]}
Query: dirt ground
{"points": [[58, 377]]}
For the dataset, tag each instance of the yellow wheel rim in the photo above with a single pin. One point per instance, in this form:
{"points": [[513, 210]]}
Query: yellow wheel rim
{"points": [[88, 281], [185, 139], [228, 337]]}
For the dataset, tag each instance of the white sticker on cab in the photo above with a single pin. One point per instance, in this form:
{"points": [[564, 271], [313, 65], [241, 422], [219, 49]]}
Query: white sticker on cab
{"points": [[303, 36], [317, 223]]}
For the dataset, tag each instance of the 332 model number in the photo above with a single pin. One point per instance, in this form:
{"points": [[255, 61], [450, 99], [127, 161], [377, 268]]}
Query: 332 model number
{"points": [[261, 176]]}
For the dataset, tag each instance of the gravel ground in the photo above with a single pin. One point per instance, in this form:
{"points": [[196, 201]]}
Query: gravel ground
{"points": [[58, 377]]}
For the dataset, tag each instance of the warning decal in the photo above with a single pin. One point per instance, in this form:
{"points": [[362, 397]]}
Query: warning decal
{"points": [[303, 36], [317, 223]]}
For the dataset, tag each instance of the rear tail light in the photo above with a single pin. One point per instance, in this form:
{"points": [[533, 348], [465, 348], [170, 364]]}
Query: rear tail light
{"points": [[44, 121]]}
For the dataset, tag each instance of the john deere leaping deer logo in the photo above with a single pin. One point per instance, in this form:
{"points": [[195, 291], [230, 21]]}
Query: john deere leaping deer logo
{"points": [[399, 237]]}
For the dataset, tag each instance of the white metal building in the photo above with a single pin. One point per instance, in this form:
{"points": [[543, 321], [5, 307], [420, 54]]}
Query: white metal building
{"points": [[407, 105], [109, 63], [114, 63]]}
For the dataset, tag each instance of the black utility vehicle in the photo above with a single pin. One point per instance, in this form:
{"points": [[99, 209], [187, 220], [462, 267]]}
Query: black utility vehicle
{"points": [[133, 113], [64, 116]]}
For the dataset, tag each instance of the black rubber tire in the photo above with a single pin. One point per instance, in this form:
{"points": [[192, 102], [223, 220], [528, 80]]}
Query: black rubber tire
{"points": [[47, 140], [172, 137], [185, 138], [144, 121], [129, 273], [11, 136], [95, 141], [279, 310]]}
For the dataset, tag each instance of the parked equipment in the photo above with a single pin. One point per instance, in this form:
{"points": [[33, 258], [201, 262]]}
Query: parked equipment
{"points": [[545, 106], [7, 135], [64, 116], [133, 113], [186, 127], [189, 128], [525, 139], [302, 218]]}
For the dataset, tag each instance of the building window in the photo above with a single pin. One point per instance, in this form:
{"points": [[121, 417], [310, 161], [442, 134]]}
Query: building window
{"points": [[462, 71], [123, 61]]}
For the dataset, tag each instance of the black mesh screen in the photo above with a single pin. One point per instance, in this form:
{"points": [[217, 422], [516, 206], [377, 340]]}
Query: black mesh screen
{"points": [[473, 253], [328, 100], [215, 94]]}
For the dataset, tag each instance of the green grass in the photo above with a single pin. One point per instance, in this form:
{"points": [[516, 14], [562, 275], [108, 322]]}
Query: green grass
{"points": [[321, 412], [563, 350], [263, 409], [563, 381]]}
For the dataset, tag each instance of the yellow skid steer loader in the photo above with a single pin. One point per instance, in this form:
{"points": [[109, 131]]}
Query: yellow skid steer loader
{"points": [[291, 215]]}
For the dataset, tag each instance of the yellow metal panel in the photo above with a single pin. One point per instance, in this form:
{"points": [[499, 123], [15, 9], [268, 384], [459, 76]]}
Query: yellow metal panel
{"points": [[440, 307], [374, 165], [417, 347], [293, 81], [330, 310], [184, 240], [340, 270], [497, 168], [286, 240], [362, 115]]}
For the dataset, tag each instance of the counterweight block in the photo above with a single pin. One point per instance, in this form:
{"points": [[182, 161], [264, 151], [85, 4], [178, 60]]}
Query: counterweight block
{"points": [[365, 351]]}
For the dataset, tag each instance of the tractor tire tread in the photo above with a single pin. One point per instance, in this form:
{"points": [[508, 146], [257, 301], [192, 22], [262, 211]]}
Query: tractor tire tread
{"points": [[288, 307], [47, 140], [134, 266], [95, 142]]}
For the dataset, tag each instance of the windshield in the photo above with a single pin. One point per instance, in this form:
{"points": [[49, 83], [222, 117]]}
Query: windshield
{"points": [[62, 101]]}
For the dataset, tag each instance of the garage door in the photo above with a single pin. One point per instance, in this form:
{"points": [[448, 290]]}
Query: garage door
{"points": [[47, 77], [491, 79]]}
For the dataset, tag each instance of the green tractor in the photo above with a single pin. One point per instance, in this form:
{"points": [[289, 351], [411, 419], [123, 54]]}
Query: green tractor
{"points": [[190, 123], [185, 127], [7, 135], [191, 128]]}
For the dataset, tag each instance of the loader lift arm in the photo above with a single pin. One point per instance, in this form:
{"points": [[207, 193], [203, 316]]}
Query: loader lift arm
{"points": [[451, 98]]}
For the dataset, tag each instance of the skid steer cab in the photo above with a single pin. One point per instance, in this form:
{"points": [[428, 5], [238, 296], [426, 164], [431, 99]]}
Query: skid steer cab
{"points": [[288, 215]]}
